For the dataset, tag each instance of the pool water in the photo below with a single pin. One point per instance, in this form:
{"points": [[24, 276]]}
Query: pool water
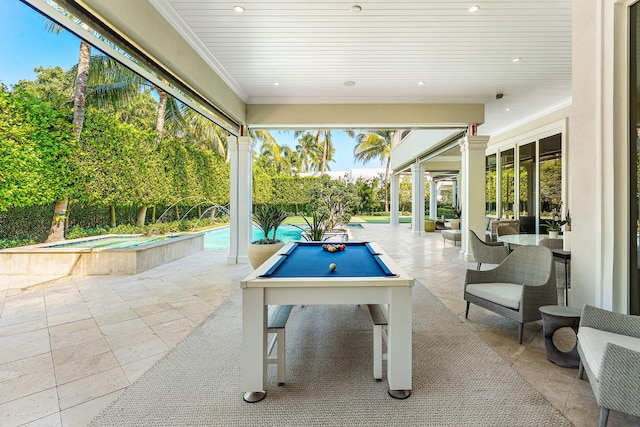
{"points": [[114, 242], [218, 239]]}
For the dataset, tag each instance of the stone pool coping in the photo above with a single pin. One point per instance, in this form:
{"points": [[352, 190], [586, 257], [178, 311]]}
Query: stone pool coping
{"points": [[44, 260]]}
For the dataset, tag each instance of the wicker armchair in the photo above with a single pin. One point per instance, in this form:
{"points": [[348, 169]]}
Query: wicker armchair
{"points": [[516, 288], [492, 230], [487, 252], [609, 348]]}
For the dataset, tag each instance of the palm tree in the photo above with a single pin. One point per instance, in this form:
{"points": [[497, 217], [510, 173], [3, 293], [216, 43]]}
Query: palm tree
{"points": [[322, 139], [307, 151], [56, 233], [203, 131], [376, 144]]}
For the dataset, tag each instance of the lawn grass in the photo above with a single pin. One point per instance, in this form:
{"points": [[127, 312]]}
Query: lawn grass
{"points": [[371, 219]]}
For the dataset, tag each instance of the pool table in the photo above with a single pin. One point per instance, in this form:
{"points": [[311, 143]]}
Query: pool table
{"points": [[300, 274]]}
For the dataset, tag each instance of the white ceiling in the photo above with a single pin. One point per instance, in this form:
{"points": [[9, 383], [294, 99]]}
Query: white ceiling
{"points": [[312, 47]]}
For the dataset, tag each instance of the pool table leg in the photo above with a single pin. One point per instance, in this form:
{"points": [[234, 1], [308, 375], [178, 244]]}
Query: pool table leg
{"points": [[399, 356], [254, 344]]}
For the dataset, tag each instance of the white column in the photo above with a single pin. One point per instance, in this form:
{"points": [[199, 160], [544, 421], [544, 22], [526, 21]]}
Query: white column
{"points": [[433, 200], [417, 199], [240, 199], [456, 197], [471, 189], [395, 200]]}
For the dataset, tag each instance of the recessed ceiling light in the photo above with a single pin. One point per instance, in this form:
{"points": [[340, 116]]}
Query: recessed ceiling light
{"points": [[507, 109], [276, 84], [420, 83], [516, 59], [238, 8], [474, 8], [356, 8], [349, 83]]}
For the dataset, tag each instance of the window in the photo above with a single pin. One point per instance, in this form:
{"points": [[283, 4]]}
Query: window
{"points": [[527, 186], [550, 175], [491, 181], [507, 183]]}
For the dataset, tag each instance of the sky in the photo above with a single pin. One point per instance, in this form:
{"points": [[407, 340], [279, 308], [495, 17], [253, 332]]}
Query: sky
{"points": [[26, 44]]}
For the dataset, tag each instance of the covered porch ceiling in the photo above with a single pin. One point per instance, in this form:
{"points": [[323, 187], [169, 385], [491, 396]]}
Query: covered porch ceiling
{"points": [[409, 64]]}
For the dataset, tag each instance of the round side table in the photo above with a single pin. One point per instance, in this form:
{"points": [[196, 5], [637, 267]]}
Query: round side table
{"points": [[555, 317]]}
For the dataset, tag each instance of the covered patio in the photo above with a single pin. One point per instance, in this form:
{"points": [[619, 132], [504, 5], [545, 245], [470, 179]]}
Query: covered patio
{"points": [[223, 60]]}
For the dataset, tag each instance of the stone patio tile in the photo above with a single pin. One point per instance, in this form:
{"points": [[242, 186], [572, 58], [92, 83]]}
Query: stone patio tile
{"points": [[22, 327], [162, 317], [140, 350], [52, 420], [24, 366], [83, 413], [29, 408], [134, 370], [74, 333], [28, 383], [23, 345], [79, 351], [120, 328], [174, 331], [85, 366], [91, 387]]}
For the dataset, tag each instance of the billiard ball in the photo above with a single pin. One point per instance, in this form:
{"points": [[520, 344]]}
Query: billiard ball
{"points": [[332, 267]]}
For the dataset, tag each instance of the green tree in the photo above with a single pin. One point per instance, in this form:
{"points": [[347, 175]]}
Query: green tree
{"points": [[335, 198], [368, 194], [376, 144], [404, 193], [59, 221]]}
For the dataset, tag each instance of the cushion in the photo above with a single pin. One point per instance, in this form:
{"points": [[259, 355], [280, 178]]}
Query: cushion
{"points": [[593, 342], [505, 294]]}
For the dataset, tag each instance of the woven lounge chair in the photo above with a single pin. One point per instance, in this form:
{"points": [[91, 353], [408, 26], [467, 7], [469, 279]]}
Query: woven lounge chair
{"points": [[486, 252], [523, 282], [609, 348]]}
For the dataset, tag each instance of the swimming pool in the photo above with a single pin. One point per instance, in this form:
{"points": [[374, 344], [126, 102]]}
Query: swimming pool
{"points": [[218, 239]]}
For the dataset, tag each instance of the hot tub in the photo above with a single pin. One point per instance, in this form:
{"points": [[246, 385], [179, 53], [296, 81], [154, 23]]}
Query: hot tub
{"points": [[99, 255]]}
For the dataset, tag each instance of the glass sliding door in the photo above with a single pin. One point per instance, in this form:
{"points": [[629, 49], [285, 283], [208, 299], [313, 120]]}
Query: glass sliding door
{"points": [[491, 181], [550, 177], [507, 183], [527, 194]]}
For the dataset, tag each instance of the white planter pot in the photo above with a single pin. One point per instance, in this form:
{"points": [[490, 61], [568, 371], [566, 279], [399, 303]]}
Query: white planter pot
{"points": [[258, 254], [553, 234]]}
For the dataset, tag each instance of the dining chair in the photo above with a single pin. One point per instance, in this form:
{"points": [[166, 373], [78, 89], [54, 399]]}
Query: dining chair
{"points": [[486, 252], [504, 230]]}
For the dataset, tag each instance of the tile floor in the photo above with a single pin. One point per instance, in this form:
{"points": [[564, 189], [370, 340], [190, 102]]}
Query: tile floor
{"points": [[70, 346]]}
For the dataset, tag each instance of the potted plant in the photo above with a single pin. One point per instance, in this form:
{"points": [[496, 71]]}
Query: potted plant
{"points": [[553, 226], [317, 227], [267, 218]]}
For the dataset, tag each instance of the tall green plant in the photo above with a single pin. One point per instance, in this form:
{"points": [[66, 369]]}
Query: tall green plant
{"points": [[317, 226], [267, 218]]}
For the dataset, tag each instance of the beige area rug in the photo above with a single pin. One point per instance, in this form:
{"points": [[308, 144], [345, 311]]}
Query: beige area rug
{"points": [[457, 379]]}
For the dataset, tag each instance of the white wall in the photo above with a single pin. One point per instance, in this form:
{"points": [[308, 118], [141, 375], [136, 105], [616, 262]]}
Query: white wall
{"points": [[598, 172]]}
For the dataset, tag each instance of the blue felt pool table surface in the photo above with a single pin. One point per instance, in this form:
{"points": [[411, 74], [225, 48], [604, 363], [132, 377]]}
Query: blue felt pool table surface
{"points": [[309, 259]]}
